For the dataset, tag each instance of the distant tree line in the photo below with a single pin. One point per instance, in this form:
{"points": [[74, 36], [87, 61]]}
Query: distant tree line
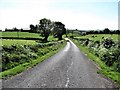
{"points": [[105, 31], [16, 30], [85, 32]]}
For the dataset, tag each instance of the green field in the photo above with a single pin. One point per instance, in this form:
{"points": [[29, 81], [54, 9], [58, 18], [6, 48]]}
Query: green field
{"points": [[99, 36], [18, 42], [10, 42], [20, 34]]}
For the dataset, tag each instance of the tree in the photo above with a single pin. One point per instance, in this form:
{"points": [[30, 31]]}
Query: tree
{"points": [[44, 28], [59, 29], [96, 32], [36, 28], [15, 29], [33, 28], [106, 31], [21, 29]]}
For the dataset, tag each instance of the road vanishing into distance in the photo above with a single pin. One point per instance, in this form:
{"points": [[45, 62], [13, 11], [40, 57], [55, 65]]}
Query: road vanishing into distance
{"points": [[69, 68]]}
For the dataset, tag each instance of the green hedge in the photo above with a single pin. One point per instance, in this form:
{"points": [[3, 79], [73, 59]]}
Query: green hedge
{"points": [[15, 55]]}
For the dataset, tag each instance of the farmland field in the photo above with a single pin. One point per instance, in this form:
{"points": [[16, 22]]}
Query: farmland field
{"points": [[20, 34], [16, 42], [99, 36]]}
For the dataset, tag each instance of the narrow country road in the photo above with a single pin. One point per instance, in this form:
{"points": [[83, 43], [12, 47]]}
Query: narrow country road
{"points": [[69, 68]]}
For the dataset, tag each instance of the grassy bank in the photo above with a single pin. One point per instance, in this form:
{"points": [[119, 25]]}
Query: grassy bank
{"points": [[43, 54], [109, 72]]}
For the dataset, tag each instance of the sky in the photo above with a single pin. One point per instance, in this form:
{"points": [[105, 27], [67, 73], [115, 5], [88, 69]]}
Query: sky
{"points": [[75, 14]]}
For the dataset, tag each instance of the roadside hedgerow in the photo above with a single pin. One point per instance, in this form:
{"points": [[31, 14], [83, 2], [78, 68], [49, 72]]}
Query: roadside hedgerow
{"points": [[106, 49], [17, 54]]}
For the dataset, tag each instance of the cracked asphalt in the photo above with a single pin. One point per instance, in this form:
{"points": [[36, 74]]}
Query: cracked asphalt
{"points": [[69, 68]]}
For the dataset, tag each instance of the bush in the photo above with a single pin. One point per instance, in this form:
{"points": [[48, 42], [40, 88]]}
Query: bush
{"points": [[91, 44], [118, 64], [86, 42], [32, 55], [108, 43], [17, 54], [34, 48], [107, 50], [15, 58], [97, 44], [24, 58]]}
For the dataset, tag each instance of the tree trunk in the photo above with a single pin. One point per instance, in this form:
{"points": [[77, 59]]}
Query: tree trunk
{"points": [[60, 37], [45, 39]]}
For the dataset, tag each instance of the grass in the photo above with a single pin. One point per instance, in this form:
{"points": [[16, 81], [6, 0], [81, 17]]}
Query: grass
{"points": [[99, 36], [26, 35], [51, 38], [9, 42], [20, 42], [20, 34], [22, 67], [105, 70]]}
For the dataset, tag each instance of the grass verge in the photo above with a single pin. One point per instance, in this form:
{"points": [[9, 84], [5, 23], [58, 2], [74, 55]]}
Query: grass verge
{"points": [[11, 72], [109, 72]]}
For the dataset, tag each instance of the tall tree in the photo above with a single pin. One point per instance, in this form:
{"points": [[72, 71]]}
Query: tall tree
{"points": [[36, 28], [15, 29], [44, 28], [106, 31], [33, 28], [59, 30]]}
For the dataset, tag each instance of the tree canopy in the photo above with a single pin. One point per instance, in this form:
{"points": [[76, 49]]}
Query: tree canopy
{"points": [[44, 28], [59, 29], [33, 28]]}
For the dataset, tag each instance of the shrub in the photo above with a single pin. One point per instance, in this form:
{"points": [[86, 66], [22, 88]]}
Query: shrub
{"points": [[17, 54], [91, 44], [107, 50], [34, 48], [97, 44], [86, 42], [24, 57], [108, 43], [118, 64], [32, 55], [15, 58]]}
